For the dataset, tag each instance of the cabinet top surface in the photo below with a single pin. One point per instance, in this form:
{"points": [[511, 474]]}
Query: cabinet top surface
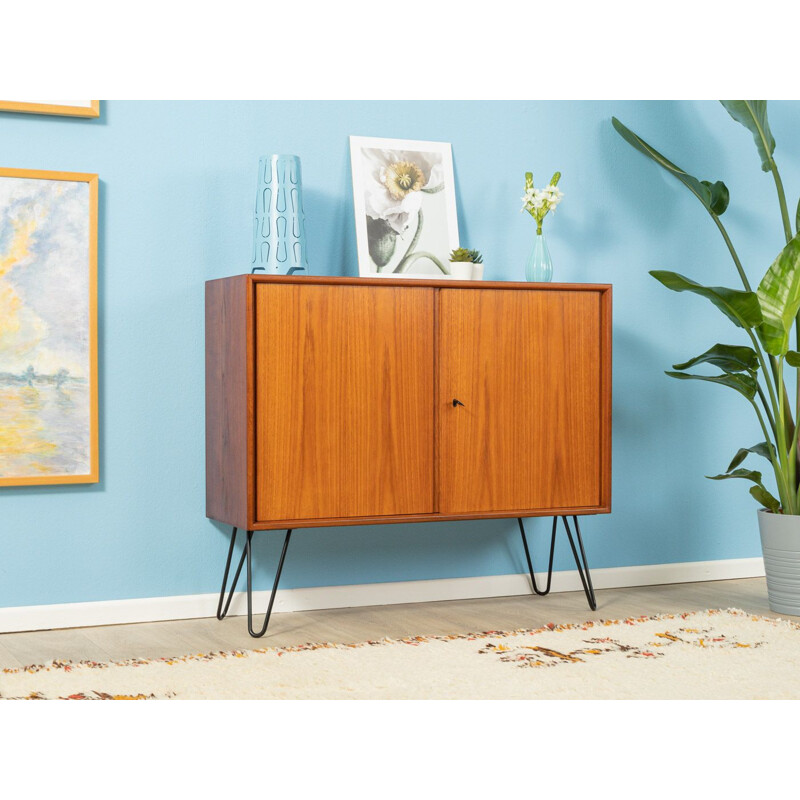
{"points": [[442, 283]]}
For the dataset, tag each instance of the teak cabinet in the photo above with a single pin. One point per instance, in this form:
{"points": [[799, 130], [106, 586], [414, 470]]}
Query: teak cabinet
{"points": [[348, 401]]}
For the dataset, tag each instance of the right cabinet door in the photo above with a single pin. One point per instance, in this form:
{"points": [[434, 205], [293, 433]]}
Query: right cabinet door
{"points": [[521, 400]]}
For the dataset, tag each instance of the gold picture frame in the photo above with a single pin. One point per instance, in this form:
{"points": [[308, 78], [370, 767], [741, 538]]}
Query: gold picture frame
{"points": [[61, 109], [48, 412]]}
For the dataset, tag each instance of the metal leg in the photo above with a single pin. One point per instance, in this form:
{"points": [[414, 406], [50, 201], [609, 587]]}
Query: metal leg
{"points": [[583, 567], [248, 551], [222, 613], [530, 563], [586, 578]]}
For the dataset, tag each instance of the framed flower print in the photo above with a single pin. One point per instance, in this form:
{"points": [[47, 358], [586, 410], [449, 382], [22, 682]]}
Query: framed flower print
{"points": [[405, 207]]}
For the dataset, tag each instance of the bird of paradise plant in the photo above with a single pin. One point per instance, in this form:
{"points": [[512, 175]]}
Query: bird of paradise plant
{"points": [[767, 316]]}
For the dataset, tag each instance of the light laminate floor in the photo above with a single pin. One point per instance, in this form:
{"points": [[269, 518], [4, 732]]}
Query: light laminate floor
{"points": [[181, 637]]}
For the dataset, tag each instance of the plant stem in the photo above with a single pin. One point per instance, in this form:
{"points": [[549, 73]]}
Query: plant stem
{"points": [[781, 440], [765, 403], [787, 225], [787, 232], [792, 480], [413, 244], [409, 260], [732, 251], [746, 284], [782, 427], [778, 380], [787, 498], [788, 421], [796, 430], [788, 458]]}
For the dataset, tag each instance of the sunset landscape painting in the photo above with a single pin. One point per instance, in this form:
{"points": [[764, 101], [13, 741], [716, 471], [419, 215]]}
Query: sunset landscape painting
{"points": [[48, 329]]}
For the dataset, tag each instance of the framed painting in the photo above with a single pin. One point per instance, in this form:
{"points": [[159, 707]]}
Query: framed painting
{"points": [[65, 108], [405, 207], [48, 327]]}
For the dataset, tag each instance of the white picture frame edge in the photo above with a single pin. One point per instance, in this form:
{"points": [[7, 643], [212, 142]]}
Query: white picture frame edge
{"points": [[359, 209]]}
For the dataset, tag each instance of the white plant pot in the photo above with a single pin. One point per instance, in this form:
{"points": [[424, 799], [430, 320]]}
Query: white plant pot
{"points": [[780, 543], [477, 272], [461, 270]]}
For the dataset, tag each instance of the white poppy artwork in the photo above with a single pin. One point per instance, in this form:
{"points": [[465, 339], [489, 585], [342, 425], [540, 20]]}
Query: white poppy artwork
{"points": [[405, 207]]}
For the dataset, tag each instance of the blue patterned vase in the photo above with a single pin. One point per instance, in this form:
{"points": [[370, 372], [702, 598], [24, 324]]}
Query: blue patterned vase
{"points": [[279, 233]]}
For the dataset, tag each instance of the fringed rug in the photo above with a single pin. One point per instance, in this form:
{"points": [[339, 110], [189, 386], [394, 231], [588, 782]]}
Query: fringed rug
{"points": [[705, 654]]}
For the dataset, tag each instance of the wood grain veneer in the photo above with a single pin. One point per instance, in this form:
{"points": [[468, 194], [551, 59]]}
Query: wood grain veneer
{"points": [[526, 366], [329, 400], [344, 381], [229, 400]]}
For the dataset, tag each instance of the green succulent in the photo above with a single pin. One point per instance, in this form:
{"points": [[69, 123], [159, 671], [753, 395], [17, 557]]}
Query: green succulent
{"points": [[463, 254]]}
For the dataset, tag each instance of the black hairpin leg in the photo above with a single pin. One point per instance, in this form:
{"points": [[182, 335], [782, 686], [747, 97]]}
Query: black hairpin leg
{"points": [[248, 549], [247, 554], [586, 578], [530, 563], [583, 569], [222, 613]]}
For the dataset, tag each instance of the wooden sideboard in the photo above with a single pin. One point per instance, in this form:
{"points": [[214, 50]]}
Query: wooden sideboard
{"points": [[352, 401]]}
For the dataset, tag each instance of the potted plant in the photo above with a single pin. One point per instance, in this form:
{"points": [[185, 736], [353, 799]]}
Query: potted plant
{"points": [[466, 264], [758, 369]]}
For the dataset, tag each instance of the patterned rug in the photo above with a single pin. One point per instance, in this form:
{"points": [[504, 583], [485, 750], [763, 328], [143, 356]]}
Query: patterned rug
{"points": [[715, 654]]}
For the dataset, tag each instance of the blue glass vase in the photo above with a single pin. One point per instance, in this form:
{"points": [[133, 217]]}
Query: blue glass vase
{"points": [[539, 266], [279, 228]]}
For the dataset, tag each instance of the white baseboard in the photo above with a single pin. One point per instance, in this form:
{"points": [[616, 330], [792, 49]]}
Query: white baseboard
{"points": [[153, 609]]}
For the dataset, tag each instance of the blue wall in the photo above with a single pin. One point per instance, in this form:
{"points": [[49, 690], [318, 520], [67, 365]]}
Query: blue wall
{"points": [[177, 185]]}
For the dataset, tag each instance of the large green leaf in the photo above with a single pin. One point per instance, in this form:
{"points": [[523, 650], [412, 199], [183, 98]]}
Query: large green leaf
{"points": [[728, 357], [742, 308], [744, 384], [747, 474], [720, 196], [779, 296], [765, 498], [760, 449], [793, 358], [713, 196], [753, 115], [758, 491]]}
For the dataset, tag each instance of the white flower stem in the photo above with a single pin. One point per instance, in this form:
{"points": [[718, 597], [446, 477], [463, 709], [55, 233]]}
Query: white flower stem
{"points": [[417, 233]]}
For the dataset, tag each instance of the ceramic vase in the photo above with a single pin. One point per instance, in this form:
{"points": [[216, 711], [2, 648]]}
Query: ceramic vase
{"points": [[279, 235]]}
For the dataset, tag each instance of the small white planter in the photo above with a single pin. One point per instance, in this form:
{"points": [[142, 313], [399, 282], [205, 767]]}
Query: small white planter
{"points": [[477, 272], [780, 542], [461, 270]]}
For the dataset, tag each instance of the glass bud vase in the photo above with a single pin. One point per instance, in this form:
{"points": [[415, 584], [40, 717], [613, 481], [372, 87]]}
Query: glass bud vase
{"points": [[539, 266]]}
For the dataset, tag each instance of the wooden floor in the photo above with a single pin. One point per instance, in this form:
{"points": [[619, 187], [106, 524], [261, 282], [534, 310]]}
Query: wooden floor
{"points": [[181, 637]]}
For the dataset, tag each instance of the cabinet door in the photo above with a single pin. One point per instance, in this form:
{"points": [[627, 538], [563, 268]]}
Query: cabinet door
{"points": [[526, 364], [344, 390]]}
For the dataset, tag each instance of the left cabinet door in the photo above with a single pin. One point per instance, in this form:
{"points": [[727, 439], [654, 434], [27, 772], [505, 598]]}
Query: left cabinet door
{"points": [[343, 401]]}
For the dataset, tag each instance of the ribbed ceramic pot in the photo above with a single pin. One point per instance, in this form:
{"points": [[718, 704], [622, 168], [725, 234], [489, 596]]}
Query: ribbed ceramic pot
{"points": [[780, 542]]}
